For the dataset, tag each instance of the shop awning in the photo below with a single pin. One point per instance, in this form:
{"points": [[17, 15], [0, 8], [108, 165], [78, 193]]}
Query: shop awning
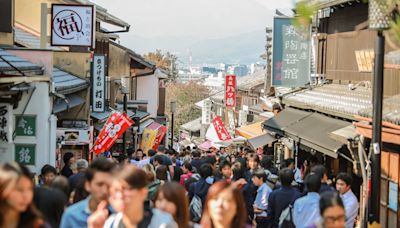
{"points": [[102, 116], [314, 131], [70, 101], [261, 140], [251, 130], [192, 126], [145, 124], [285, 118], [66, 83]]}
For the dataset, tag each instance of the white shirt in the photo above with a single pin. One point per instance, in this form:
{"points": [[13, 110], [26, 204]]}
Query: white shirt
{"points": [[351, 207]]}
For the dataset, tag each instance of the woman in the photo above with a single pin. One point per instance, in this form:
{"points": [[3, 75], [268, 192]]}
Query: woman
{"points": [[171, 198], [332, 211], [16, 195], [224, 207]]}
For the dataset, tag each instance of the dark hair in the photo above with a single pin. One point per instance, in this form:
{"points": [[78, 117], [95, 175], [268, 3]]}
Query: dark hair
{"points": [[10, 173], [51, 202], [67, 157], [289, 161], [224, 163], [345, 177], [139, 150], [80, 192], [187, 165], [61, 183], [196, 154], [210, 160], [239, 219], [161, 148], [260, 173], [329, 199], [176, 194], [319, 170], [253, 157], [266, 162], [238, 171], [133, 176], [162, 173], [48, 169], [99, 165], [159, 158], [313, 182], [205, 170], [286, 177], [151, 152]]}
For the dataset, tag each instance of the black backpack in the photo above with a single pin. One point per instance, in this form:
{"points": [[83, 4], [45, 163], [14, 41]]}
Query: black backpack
{"points": [[286, 218]]}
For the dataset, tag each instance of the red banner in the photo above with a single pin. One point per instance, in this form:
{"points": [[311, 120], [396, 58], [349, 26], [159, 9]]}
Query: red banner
{"points": [[222, 133], [117, 123], [230, 91], [160, 135]]}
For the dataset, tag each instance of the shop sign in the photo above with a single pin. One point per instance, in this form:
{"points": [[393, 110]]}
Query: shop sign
{"points": [[5, 123], [220, 129], [25, 154], [25, 125], [160, 135], [115, 126], [393, 196], [206, 112], [72, 25], [73, 136], [291, 54], [99, 84], [148, 137], [230, 91]]}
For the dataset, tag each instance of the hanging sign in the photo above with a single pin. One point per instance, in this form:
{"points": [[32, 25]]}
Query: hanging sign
{"points": [[230, 91], [98, 86], [220, 129], [5, 123], [206, 112]]}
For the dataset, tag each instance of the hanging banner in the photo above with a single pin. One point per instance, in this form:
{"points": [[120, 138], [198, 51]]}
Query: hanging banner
{"points": [[220, 129], [149, 136], [206, 112], [98, 83], [230, 91], [6, 130], [160, 135], [115, 126], [72, 25], [291, 54]]}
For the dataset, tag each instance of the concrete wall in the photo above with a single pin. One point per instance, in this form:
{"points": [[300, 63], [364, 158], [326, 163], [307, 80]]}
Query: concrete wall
{"points": [[147, 89], [118, 66]]}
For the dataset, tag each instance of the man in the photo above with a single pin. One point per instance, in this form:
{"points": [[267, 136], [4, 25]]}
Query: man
{"points": [[197, 161], [200, 188], [280, 198], [166, 160], [98, 178], [320, 170], [297, 173], [225, 169], [343, 186], [261, 202], [47, 174], [68, 161], [81, 166], [306, 208]]}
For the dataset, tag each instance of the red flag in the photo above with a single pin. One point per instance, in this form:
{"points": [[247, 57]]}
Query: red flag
{"points": [[160, 135], [222, 133], [115, 126]]}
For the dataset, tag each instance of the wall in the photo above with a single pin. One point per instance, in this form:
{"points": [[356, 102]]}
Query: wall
{"points": [[147, 89], [118, 66]]}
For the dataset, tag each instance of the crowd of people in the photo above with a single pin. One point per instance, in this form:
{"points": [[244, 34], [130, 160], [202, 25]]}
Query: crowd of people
{"points": [[165, 188]]}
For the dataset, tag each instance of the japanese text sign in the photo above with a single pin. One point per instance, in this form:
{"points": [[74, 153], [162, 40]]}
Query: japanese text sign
{"points": [[219, 127], [291, 55], [117, 123], [5, 123], [230, 91], [98, 86], [25, 154], [25, 125], [206, 112], [72, 25]]}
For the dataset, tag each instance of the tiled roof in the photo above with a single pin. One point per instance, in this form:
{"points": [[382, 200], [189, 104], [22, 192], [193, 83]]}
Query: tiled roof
{"points": [[29, 40], [66, 83], [333, 99], [192, 126], [390, 110], [21, 64], [248, 82]]}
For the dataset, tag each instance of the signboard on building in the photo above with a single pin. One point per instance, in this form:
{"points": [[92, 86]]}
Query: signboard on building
{"points": [[393, 196], [206, 112], [365, 60], [220, 129], [291, 54], [73, 136], [230, 91], [25, 125], [25, 154], [72, 25], [98, 83], [5, 123]]}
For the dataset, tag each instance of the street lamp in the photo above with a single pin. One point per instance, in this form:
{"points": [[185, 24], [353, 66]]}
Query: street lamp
{"points": [[125, 90], [173, 110]]}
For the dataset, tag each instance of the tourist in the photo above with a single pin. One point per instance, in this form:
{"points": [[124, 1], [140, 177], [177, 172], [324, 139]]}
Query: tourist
{"points": [[332, 211], [47, 174], [187, 173], [320, 170], [260, 206], [225, 170], [343, 186], [81, 166], [68, 161]]}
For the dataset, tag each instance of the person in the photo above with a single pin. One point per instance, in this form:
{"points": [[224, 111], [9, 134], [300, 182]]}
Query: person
{"points": [[280, 198], [290, 163], [51, 202], [98, 178], [196, 161], [332, 211], [259, 178], [16, 198], [68, 161], [81, 166], [225, 170], [200, 188], [166, 160], [320, 170], [224, 207], [139, 155], [187, 173], [253, 163], [343, 186], [61, 183], [128, 193], [47, 174], [154, 183], [306, 208], [171, 198]]}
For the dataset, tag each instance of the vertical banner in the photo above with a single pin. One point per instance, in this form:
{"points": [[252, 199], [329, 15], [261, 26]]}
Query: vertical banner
{"points": [[115, 126], [98, 83], [160, 135], [148, 138], [6, 131], [220, 129], [206, 112], [230, 91], [291, 54]]}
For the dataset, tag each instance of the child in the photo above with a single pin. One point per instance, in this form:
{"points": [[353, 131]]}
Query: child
{"points": [[261, 202]]}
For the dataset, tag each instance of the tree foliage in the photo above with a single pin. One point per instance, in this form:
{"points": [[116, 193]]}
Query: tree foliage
{"points": [[167, 62], [185, 95]]}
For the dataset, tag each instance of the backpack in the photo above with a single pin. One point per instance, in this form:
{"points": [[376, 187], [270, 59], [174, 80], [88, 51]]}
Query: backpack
{"points": [[196, 208], [286, 218]]}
